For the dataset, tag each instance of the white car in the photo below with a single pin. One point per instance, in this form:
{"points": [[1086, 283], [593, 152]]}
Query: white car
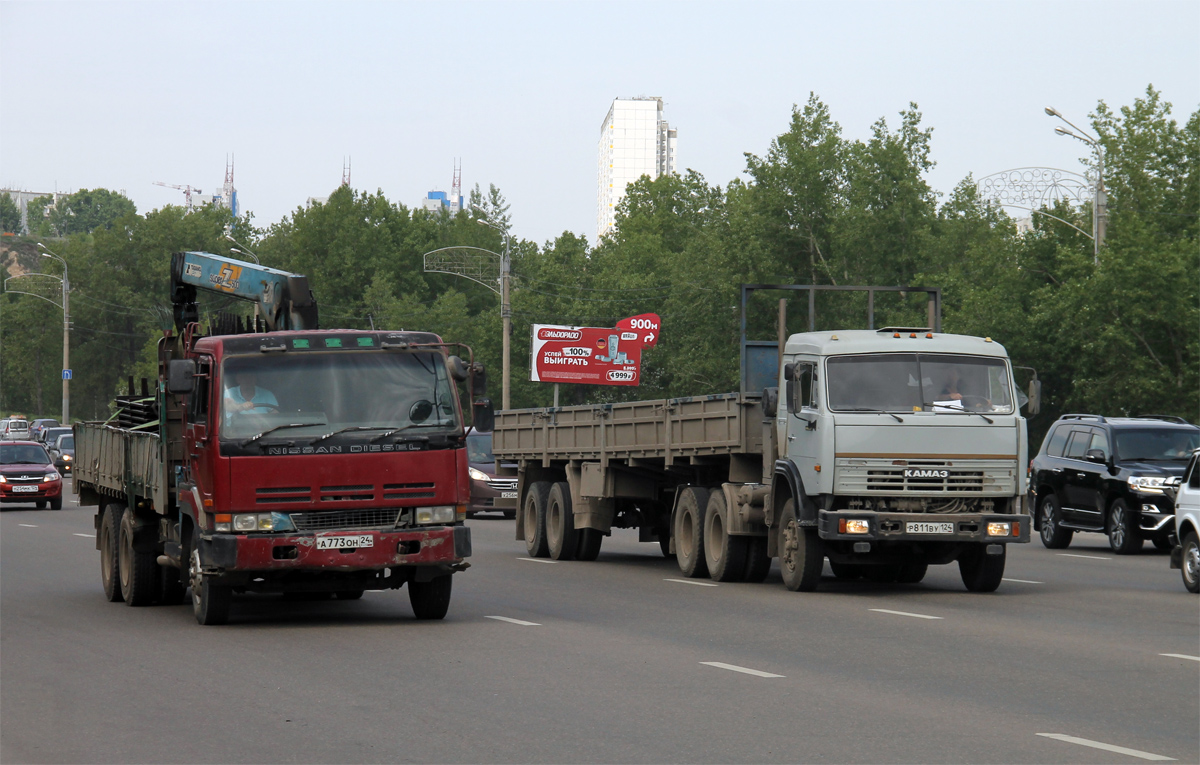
{"points": [[1186, 553], [16, 430]]}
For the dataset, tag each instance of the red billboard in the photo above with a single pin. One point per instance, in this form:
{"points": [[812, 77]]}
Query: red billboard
{"points": [[593, 355]]}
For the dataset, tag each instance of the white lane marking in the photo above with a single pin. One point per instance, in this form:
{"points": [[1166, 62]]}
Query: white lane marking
{"points": [[690, 581], [28, 525], [1022, 581], [743, 670], [1180, 656], [513, 621], [538, 560], [1089, 557], [904, 613], [1108, 747], [89, 536]]}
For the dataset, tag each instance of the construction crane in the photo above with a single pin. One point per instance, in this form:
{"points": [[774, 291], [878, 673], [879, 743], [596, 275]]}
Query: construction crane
{"points": [[187, 193]]}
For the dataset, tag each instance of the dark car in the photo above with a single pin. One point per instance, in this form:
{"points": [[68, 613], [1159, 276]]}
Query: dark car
{"points": [[27, 475], [1106, 475], [49, 435], [38, 426], [62, 451], [486, 486]]}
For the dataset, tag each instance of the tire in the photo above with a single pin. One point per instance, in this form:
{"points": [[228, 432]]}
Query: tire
{"points": [[430, 600], [1124, 537], [561, 537], [1162, 544], [110, 575], [689, 531], [800, 552], [886, 573], [40, 504], [1190, 563], [1054, 536], [510, 514], [349, 594], [847, 571], [210, 602], [982, 572], [912, 572], [56, 503], [589, 544], [725, 555], [534, 511], [170, 586], [758, 563], [138, 571]]}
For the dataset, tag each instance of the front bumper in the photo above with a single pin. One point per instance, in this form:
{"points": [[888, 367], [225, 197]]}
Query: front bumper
{"points": [[44, 491], [428, 546], [893, 527]]}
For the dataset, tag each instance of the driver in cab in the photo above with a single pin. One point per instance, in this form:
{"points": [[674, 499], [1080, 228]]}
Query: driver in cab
{"points": [[246, 396]]}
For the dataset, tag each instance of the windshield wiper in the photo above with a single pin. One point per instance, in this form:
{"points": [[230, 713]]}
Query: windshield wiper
{"points": [[942, 408], [394, 431], [877, 411], [252, 439], [350, 429]]}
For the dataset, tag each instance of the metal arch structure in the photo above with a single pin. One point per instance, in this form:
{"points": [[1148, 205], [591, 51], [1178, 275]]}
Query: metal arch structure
{"points": [[1030, 188], [474, 263], [42, 286]]}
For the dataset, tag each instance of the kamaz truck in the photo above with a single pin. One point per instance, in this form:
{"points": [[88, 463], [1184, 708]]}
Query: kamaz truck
{"points": [[276, 457], [882, 451]]}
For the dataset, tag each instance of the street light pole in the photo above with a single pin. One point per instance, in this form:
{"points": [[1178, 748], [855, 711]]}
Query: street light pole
{"points": [[66, 363], [505, 311], [1100, 204]]}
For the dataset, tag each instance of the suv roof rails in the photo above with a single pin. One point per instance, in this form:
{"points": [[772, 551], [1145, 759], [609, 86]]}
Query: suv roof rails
{"points": [[1082, 417], [1167, 417], [904, 329]]}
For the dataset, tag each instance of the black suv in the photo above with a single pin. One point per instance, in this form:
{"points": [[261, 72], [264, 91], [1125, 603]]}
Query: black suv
{"points": [[1105, 474]]}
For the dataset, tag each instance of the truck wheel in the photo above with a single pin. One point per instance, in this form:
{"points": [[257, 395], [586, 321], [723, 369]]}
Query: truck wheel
{"points": [[110, 575], [758, 563], [1124, 537], [170, 586], [138, 570], [725, 555], [800, 553], [210, 602], [981, 572], [56, 503], [1054, 536], [349, 594], [689, 531], [536, 497], [589, 544], [561, 536], [847, 571], [912, 572], [430, 600], [1190, 565]]}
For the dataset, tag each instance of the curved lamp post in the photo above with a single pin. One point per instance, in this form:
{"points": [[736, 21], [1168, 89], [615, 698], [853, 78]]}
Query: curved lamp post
{"points": [[1100, 204]]}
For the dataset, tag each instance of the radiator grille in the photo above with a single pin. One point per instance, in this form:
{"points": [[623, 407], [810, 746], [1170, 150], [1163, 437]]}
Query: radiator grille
{"points": [[370, 518], [895, 480], [503, 484]]}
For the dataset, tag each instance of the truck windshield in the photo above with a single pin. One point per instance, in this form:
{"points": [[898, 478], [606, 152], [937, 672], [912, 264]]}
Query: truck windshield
{"points": [[915, 382], [363, 394]]}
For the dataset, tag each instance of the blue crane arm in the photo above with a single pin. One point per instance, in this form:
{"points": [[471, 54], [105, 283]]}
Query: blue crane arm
{"points": [[283, 300]]}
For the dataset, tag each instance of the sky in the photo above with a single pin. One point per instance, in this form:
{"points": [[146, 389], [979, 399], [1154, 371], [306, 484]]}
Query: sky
{"points": [[122, 94]]}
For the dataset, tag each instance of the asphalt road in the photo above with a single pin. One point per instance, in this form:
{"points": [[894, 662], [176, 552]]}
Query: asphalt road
{"points": [[604, 662]]}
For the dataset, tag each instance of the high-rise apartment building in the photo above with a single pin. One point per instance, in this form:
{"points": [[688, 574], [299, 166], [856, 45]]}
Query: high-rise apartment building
{"points": [[635, 140]]}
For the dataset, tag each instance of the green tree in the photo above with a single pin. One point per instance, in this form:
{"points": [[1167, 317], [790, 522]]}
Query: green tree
{"points": [[80, 213], [10, 215]]}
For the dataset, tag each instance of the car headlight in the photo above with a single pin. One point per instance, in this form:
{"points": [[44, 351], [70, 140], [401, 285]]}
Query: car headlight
{"points": [[51, 477], [478, 475], [1148, 484], [3, 479], [431, 515], [66, 458], [262, 522]]}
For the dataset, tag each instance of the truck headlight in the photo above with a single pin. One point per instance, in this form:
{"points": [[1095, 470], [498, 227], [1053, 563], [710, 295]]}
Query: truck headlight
{"points": [[999, 529], [1147, 484], [478, 475], [854, 526], [262, 522], [431, 515]]}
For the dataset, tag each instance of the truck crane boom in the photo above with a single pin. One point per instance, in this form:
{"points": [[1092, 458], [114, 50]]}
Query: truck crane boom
{"points": [[281, 299]]}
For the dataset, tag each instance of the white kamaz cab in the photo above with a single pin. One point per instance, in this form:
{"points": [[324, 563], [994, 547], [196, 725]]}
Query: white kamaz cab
{"points": [[897, 449]]}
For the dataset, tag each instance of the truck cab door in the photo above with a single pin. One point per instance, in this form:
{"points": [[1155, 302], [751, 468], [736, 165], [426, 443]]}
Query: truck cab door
{"points": [[803, 418], [199, 433]]}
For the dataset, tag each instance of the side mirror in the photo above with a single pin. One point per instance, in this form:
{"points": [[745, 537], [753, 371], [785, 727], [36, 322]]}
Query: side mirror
{"points": [[458, 370], [789, 371], [478, 380], [1096, 455], [483, 415], [181, 376], [1035, 396], [770, 402]]}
